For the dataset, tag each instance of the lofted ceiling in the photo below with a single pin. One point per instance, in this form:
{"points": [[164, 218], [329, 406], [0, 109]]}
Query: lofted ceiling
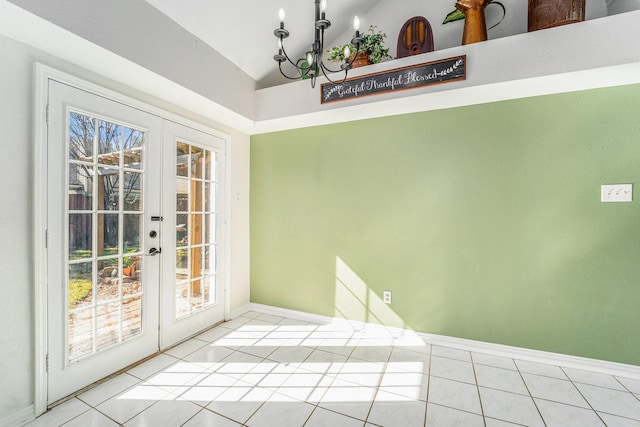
{"points": [[242, 30]]}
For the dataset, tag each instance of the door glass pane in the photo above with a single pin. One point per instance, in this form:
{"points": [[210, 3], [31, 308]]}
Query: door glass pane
{"points": [[197, 162], [82, 132], [108, 280], [81, 337], [80, 285], [105, 237], [132, 233], [133, 143], [195, 229], [132, 272], [182, 195], [108, 189], [80, 187], [209, 229], [209, 260], [80, 236], [109, 142], [131, 317], [182, 265], [132, 191], [195, 299], [107, 234], [195, 233], [196, 196], [209, 286], [182, 237], [209, 197], [208, 165], [182, 163], [196, 262], [108, 322]]}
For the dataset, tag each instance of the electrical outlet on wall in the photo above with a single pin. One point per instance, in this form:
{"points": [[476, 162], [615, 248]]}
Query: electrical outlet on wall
{"points": [[386, 297]]}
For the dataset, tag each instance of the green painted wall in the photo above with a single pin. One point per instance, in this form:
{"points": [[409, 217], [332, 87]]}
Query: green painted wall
{"points": [[484, 221]]}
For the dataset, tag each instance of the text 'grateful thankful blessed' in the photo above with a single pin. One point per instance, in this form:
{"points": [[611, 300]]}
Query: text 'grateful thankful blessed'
{"points": [[443, 71]]}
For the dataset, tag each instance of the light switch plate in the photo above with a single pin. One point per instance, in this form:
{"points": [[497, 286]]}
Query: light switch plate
{"points": [[617, 193]]}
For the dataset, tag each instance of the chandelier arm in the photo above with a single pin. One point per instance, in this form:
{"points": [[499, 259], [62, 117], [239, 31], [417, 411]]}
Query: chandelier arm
{"points": [[346, 66], [304, 71], [300, 76], [301, 70], [327, 71], [349, 63]]}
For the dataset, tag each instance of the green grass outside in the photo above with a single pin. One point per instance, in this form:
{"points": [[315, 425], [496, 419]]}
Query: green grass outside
{"points": [[78, 289]]}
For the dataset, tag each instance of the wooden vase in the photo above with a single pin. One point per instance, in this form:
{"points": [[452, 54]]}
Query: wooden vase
{"points": [[475, 26], [552, 13]]}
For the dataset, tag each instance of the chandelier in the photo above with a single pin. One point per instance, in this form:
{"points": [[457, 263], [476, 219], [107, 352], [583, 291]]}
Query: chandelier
{"points": [[312, 65]]}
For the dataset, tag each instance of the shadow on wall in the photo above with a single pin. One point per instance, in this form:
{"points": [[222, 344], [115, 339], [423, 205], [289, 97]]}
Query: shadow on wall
{"points": [[354, 300]]}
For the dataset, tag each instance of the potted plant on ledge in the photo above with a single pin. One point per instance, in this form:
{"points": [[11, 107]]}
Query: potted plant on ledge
{"points": [[372, 50]]}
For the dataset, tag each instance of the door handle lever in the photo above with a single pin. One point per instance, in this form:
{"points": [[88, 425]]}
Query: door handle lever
{"points": [[154, 252]]}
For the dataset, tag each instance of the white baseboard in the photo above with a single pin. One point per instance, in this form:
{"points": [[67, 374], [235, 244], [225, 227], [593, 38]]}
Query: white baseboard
{"points": [[549, 358], [293, 314], [238, 311], [19, 418]]}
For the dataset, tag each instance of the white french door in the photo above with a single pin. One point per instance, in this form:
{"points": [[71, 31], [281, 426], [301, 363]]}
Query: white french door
{"points": [[133, 226], [193, 176]]}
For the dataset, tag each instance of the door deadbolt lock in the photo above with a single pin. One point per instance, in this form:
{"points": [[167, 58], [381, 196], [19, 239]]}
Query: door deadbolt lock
{"points": [[153, 234]]}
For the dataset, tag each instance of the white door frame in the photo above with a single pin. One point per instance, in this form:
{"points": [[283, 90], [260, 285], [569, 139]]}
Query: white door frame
{"points": [[42, 75]]}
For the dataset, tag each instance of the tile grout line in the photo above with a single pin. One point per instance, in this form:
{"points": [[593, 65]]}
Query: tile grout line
{"points": [[257, 385], [82, 413], [475, 376], [426, 404], [334, 378], [140, 381], [584, 397], [194, 415], [530, 395], [316, 406], [233, 351], [386, 364], [625, 387], [102, 413]]}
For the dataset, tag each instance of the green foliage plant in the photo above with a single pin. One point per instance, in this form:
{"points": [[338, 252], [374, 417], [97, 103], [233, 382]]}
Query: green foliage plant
{"points": [[373, 44], [457, 15]]}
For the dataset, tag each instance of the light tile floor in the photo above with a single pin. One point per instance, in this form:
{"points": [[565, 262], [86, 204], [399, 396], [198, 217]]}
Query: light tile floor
{"points": [[260, 370]]}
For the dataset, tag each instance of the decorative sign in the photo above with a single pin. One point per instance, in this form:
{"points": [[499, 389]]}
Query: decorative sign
{"points": [[429, 73]]}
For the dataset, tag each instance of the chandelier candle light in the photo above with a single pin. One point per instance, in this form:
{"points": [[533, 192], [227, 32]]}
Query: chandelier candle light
{"points": [[314, 64]]}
